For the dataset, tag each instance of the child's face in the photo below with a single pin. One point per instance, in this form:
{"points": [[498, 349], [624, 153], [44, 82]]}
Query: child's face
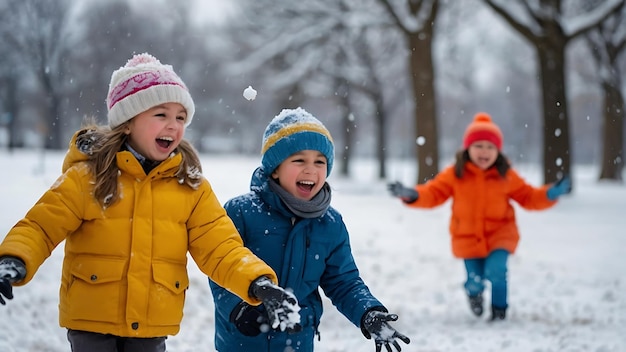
{"points": [[483, 154], [156, 132], [302, 174]]}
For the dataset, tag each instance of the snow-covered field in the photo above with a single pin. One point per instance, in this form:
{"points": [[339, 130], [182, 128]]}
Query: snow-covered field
{"points": [[567, 282]]}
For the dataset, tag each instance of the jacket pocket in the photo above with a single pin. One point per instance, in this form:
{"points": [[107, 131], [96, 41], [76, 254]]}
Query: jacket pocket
{"points": [[167, 293], [96, 289]]}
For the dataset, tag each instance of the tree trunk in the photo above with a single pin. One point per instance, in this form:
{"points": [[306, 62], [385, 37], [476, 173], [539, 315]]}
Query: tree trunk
{"points": [[349, 127], [381, 136], [422, 70], [12, 108], [53, 123], [556, 134], [55, 127], [613, 133]]}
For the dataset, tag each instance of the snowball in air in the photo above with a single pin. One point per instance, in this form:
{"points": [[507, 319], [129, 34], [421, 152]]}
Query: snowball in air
{"points": [[249, 93]]}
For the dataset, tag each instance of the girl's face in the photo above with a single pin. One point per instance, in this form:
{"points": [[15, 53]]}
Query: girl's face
{"points": [[483, 154], [156, 132], [302, 174]]}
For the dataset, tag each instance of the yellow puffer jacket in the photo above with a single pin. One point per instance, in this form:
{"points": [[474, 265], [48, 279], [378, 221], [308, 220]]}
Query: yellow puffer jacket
{"points": [[125, 267]]}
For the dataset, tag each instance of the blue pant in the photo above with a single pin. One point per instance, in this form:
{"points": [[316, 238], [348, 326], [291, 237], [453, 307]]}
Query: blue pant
{"points": [[492, 268]]}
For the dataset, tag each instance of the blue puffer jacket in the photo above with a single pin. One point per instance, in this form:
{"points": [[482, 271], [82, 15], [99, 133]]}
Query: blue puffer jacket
{"points": [[306, 254]]}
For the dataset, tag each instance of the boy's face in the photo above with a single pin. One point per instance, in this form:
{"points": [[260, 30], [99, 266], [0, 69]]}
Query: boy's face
{"points": [[302, 174], [483, 154], [156, 132]]}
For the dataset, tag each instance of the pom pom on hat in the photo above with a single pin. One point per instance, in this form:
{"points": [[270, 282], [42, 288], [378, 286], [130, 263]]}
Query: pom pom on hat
{"points": [[292, 131], [142, 84], [482, 129]]}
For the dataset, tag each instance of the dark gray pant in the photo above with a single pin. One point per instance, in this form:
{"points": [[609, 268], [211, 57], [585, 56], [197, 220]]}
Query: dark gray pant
{"points": [[84, 341]]}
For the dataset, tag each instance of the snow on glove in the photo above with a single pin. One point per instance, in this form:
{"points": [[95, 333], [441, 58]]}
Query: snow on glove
{"points": [[11, 270], [281, 306], [562, 186], [408, 195], [375, 324], [249, 320]]}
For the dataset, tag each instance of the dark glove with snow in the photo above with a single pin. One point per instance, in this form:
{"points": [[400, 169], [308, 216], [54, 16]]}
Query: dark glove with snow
{"points": [[11, 270], [408, 195], [281, 306], [561, 187], [375, 325], [249, 320]]}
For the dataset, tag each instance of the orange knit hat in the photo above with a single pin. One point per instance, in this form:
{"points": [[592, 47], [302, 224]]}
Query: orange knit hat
{"points": [[482, 129]]}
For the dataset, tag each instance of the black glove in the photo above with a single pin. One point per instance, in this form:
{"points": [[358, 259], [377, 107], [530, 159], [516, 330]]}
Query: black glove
{"points": [[11, 270], [408, 195], [281, 306], [374, 324], [249, 320]]}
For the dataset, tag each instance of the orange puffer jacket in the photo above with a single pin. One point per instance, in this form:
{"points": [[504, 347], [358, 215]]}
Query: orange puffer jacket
{"points": [[483, 218]]}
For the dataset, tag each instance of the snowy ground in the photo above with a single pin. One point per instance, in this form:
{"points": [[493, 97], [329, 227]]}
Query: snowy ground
{"points": [[567, 280]]}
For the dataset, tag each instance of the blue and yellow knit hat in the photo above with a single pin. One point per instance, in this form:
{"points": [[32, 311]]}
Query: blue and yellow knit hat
{"points": [[291, 131]]}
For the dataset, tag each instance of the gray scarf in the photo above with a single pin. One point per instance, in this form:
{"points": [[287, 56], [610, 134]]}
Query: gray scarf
{"points": [[313, 208]]}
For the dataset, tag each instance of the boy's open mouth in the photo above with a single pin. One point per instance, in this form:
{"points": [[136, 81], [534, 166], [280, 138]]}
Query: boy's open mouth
{"points": [[306, 185]]}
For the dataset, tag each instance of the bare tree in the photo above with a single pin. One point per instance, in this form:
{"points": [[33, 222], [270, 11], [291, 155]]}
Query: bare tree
{"points": [[305, 48], [416, 19], [607, 43], [39, 36], [545, 25], [371, 51], [111, 31], [9, 83], [114, 31], [10, 72]]}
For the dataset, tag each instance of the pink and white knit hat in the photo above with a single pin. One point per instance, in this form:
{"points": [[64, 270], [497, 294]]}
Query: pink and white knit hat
{"points": [[142, 84]]}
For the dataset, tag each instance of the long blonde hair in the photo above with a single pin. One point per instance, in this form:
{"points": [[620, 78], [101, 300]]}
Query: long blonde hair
{"points": [[101, 144]]}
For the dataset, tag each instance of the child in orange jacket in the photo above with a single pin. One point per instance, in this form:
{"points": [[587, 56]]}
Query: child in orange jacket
{"points": [[482, 226]]}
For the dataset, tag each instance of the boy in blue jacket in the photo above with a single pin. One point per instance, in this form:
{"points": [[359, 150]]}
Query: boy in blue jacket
{"points": [[288, 222]]}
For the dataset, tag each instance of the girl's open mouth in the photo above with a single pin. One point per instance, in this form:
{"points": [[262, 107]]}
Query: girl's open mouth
{"points": [[164, 142]]}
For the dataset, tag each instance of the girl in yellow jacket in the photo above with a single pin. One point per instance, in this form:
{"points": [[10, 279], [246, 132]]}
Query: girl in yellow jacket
{"points": [[483, 226], [130, 204]]}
